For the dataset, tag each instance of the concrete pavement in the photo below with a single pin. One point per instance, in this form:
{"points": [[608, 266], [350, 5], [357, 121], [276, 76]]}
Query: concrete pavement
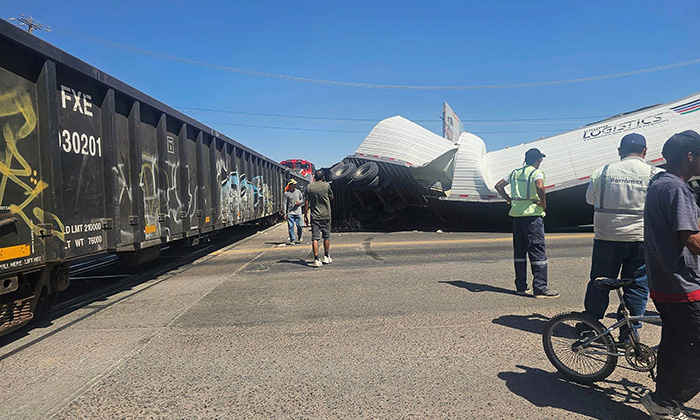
{"points": [[401, 325]]}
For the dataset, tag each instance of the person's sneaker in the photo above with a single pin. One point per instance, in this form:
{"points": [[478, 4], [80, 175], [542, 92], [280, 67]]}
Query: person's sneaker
{"points": [[327, 259], [317, 263], [290, 243], [527, 292], [297, 242], [549, 294], [658, 412]]}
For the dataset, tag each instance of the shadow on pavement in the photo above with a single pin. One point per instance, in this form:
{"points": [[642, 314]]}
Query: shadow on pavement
{"points": [[476, 287], [613, 315], [530, 323], [604, 400], [297, 261]]}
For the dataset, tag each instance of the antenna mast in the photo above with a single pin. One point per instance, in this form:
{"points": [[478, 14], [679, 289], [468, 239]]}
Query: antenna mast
{"points": [[30, 23]]}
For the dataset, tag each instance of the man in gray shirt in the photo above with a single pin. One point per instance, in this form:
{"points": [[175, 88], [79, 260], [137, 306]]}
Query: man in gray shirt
{"points": [[318, 198], [671, 251], [292, 202]]}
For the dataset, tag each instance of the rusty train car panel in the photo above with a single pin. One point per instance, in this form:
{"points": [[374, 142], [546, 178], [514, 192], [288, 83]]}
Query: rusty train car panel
{"points": [[90, 165]]}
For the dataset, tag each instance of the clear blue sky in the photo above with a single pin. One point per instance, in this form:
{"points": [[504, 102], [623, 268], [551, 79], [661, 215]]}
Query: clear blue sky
{"points": [[383, 42]]}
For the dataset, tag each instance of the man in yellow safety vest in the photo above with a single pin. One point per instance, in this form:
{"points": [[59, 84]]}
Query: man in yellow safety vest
{"points": [[527, 208]]}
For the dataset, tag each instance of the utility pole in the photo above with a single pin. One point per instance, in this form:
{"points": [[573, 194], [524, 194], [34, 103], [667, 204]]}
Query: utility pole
{"points": [[30, 23]]}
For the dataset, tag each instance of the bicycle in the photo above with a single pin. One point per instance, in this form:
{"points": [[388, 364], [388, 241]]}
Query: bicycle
{"points": [[584, 350]]}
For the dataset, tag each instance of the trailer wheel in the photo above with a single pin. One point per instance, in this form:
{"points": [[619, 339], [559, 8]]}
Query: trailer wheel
{"points": [[342, 172], [365, 173], [373, 183]]}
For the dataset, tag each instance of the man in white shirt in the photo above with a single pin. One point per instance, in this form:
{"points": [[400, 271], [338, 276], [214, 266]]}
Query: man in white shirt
{"points": [[618, 191]]}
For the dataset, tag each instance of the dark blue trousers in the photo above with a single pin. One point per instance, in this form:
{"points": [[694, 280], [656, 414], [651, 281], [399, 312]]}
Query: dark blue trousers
{"points": [[613, 259], [528, 240]]}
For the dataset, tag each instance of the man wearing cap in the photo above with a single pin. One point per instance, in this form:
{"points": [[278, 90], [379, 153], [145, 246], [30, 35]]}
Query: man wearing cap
{"points": [[618, 191], [672, 254], [292, 203], [527, 207], [318, 200]]}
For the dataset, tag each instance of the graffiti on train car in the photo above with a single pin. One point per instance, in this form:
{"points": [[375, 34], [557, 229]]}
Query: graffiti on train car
{"points": [[151, 194], [262, 194], [19, 103], [173, 201], [125, 196], [241, 199], [230, 197], [147, 183]]}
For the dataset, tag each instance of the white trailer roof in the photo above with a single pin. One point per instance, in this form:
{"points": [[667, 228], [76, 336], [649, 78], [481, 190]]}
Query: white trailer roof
{"points": [[399, 140]]}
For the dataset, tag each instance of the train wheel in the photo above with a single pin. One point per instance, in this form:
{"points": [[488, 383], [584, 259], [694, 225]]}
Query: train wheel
{"points": [[60, 278]]}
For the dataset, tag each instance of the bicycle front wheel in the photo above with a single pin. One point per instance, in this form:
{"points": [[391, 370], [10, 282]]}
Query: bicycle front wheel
{"points": [[563, 339]]}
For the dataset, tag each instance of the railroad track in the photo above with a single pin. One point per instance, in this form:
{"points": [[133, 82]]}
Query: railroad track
{"points": [[170, 260]]}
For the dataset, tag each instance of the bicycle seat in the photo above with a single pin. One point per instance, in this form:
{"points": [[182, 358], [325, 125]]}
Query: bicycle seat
{"points": [[605, 283]]}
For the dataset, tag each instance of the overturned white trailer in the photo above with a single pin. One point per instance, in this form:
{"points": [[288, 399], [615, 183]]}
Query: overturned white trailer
{"points": [[451, 183]]}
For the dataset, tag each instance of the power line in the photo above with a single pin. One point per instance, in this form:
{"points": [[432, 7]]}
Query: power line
{"points": [[345, 120], [309, 117], [305, 118], [285, 128], [263, 74], [357, 131]]}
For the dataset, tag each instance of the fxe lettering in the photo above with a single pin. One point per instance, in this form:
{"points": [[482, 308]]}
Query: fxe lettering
{"points": [[82, 102]]}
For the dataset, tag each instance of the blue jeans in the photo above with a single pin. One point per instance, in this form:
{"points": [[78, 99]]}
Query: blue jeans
{"points": [[613, 259], [294, 219]]}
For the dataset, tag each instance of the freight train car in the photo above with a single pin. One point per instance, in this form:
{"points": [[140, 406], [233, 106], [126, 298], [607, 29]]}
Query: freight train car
{"points": [[90, 165]]}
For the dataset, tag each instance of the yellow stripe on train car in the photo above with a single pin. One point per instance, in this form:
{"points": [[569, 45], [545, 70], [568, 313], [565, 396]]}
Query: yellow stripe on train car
{"points": [[150, 228], [14, 252]]}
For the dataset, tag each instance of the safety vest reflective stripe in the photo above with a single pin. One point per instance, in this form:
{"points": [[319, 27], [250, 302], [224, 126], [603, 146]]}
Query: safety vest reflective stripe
{"points": [[620, 211], [603, 179], [538, 262], [517, 184], [603, 182]]}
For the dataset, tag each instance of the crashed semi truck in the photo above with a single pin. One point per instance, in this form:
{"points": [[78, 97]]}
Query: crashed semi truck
{"points": [[404, 176]]}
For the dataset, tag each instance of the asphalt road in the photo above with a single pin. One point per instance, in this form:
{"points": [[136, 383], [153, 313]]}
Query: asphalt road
{"points": [[401, 325]]}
